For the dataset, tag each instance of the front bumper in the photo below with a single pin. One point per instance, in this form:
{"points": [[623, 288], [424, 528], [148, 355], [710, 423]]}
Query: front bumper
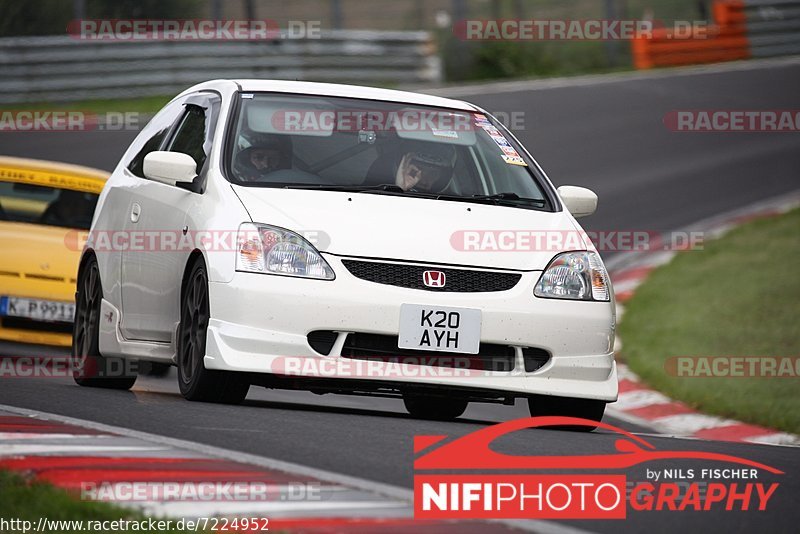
{"points": [[259, 322]]}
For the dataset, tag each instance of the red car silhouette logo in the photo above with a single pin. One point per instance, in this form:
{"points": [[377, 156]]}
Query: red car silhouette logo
{"points": [[472, 452]]}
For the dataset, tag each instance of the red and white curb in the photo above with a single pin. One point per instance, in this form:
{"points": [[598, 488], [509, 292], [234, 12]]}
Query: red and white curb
{"points": [[75, 455], [640, 404]]}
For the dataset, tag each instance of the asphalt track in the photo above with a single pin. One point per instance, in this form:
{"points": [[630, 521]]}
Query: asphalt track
{"points": [[608, 136]]}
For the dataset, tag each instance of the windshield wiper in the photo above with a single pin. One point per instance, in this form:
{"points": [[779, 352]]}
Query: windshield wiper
{"points": [[511, 196], [347, 188], [390, 189], [502, 199], [498, 196]]}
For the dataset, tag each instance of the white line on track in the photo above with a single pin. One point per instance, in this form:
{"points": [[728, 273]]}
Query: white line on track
{"points": [[23, 450], [689, 423], [630, 400], [271, 509], [781, 438], [8, 436]]}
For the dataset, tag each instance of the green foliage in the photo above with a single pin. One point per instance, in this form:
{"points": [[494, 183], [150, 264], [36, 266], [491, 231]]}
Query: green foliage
{"points": [[29, 499], [737, 297], [513, 59]]}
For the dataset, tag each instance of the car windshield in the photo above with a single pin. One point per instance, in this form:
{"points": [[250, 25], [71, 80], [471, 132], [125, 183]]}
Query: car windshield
{"points": [[334, 143], [39, 204]]}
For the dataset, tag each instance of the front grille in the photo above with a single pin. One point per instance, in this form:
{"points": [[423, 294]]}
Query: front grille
{"points": [[376, 347], [410, 276]]}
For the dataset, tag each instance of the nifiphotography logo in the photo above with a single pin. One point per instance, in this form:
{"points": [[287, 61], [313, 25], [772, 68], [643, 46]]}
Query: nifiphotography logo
{"points": [[465, 478]]}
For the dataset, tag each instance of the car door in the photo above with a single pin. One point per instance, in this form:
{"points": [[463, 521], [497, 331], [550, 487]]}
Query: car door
{"points": [[154, 260]]}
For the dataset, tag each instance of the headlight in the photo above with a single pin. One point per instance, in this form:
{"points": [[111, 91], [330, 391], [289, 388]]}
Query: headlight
{"points": [[574, 275], [271, 250]]}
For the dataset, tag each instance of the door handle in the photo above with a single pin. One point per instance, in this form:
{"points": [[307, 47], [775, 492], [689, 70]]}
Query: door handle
{"points": [[136, 210]]}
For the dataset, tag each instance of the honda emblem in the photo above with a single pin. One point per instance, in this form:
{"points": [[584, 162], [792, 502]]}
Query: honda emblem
{"points": [[433, 278]]}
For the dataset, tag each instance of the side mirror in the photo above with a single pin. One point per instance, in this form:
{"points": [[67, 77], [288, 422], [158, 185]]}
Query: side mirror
{"points": [[578, 200], [170, 167]]}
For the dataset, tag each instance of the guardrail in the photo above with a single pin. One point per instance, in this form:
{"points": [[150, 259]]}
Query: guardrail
{"points": [[63, 68], [742, 29]]}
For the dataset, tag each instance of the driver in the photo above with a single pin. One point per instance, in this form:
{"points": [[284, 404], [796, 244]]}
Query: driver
{"points": [[270, 154], [426, 167], [71, 209]]}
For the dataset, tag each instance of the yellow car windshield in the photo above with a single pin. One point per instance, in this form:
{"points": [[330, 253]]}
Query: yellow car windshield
{"points": [[39, 204]]}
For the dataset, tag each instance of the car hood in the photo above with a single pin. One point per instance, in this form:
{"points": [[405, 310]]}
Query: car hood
{"points": [[413, 229], [38, 253]]}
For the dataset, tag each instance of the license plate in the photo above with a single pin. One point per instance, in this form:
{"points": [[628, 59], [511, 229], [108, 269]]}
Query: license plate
{"points": [[437, 328], [37, 309]]}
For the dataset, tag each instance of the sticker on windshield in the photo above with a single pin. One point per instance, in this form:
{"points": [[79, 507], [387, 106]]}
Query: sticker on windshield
{"points": [[450, 134], [514, 160], [501, 141], [509, 153]]}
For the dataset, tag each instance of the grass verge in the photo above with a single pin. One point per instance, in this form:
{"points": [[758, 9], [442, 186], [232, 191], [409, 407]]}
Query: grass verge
{"points": [[29, 500], [740, 296]]}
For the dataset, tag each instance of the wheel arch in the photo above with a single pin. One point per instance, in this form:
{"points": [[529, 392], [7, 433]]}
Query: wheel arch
{"points": [[194, 256], [87, 255]]}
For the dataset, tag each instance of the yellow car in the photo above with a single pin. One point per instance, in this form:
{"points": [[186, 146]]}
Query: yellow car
{"points": [[46, 210]]}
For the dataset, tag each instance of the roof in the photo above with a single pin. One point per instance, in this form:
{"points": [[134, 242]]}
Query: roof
{"points": [[350, 91], [52, 174]]}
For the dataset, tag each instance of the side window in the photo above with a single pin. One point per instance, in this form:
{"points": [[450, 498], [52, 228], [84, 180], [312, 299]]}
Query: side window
{"points": [[152, 136], [190, 136]]}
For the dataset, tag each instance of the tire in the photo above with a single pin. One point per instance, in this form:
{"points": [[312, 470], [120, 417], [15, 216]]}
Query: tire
{"points": [[434, 408], [543, 405], [90, 368], [195, 381]]}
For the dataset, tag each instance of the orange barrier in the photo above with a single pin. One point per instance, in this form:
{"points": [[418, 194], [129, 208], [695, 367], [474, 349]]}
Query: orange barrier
{"points": [[724, 41], [728, 12]]}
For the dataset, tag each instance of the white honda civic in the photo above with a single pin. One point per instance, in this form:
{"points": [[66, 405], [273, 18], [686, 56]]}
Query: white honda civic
{"points": [[344, 239]]}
